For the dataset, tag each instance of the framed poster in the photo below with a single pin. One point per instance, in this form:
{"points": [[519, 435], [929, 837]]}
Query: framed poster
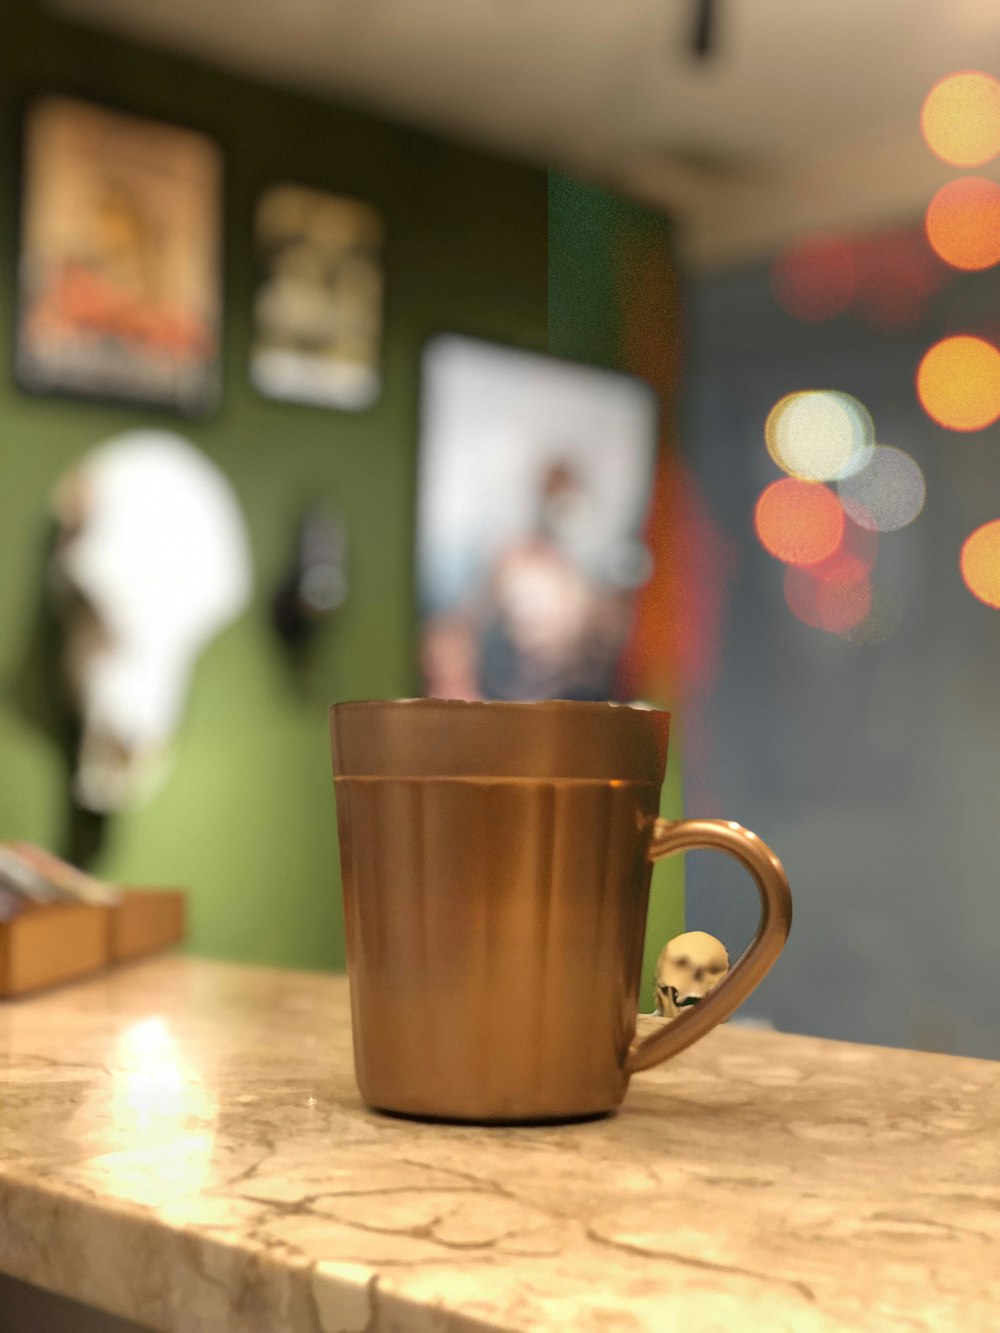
{"points": [[118, 274], [318, 303], [534, 483]]}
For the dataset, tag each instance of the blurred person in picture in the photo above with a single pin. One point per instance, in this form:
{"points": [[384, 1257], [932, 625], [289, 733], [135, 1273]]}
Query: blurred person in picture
{"points": [[546, 620]]}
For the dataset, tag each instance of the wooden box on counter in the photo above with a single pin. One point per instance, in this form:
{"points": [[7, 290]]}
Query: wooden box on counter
{"points": [[144, 921], [63, 942]]}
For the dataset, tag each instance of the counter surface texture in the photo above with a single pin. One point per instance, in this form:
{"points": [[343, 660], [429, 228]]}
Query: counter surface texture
{"points": [[182, 1144]]}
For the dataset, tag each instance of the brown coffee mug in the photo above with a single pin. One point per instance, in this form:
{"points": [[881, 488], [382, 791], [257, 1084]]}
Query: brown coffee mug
{"points": [[496, 862]]}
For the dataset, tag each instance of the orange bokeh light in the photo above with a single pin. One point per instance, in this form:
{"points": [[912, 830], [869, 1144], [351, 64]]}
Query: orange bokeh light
{"points": [[980, 563], [799, 522], [834, 607], [958, 383], [963, 223], [960, 118]]}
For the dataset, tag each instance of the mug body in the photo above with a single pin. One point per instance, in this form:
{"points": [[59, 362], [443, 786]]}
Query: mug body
{"points": [[495, 888]]}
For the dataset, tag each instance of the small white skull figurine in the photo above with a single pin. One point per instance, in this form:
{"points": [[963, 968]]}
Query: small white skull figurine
{"points": [[689, 966]]}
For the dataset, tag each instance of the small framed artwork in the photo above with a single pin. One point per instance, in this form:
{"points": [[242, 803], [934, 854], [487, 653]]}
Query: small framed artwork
{"points": [[119, 267], [534, 485], [318, 302]]}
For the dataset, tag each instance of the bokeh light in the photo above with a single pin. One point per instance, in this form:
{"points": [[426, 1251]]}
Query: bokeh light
{"points": [[834, 607], [898, 273], [799, 522], [815, 278], [980, 563], [853, 559], [888, 495], [881, 623], [963, 222], [960, 118], [819, 434], [888, 276], [958, 383]]}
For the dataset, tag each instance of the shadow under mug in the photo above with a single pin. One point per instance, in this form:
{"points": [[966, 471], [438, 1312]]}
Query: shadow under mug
{"points": [[496, 861]]}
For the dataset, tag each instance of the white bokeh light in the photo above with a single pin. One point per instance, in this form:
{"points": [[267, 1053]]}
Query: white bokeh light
{"points": [[819, 435], [888, 494]]}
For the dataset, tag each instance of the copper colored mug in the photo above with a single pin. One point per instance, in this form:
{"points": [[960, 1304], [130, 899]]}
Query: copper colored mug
{"points": [[496, 864]]}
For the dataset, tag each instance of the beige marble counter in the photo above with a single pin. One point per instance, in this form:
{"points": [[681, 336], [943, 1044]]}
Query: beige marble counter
{"points": [[181, 1143]]}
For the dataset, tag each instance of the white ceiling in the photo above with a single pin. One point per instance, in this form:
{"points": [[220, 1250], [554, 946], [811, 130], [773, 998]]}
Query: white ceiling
{"points": [[805, 116]]}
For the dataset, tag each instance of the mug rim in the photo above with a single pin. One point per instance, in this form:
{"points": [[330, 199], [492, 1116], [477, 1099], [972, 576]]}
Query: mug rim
{"points": [[549, 739]]}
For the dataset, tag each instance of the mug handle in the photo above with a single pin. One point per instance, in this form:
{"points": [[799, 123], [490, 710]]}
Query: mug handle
{"points": [[755, 963]]}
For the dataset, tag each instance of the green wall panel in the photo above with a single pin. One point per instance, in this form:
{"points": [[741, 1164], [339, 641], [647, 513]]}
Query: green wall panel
{"points": [[475, 244], [595, 239], [246, 821]]}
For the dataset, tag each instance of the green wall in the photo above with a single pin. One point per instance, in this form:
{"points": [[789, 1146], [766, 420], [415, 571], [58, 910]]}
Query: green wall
{"points": [[247, 821], [474, 244], [597, 242]]}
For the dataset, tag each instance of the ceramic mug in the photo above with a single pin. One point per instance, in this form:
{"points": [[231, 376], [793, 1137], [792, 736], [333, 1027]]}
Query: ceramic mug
{"points": [[496, 861]]}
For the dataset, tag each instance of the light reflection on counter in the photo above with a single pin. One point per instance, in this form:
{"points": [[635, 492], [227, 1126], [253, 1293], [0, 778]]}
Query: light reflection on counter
{"points": [[161, 1107]]}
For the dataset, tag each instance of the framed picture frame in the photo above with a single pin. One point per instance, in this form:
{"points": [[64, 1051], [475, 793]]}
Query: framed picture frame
{"points": [[317, 315], [119, 264], [534, 483]]}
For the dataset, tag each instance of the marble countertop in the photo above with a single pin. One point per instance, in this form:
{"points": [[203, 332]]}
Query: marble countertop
{"points": [[181, 1143]]}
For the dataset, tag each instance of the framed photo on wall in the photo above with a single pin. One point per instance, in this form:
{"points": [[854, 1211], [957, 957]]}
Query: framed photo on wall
{"points": [[119, 267], [318, 301], [535, 479]]}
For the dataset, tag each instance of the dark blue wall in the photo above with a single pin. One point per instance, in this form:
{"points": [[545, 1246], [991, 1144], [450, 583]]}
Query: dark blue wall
{"points": [[873, 771]]}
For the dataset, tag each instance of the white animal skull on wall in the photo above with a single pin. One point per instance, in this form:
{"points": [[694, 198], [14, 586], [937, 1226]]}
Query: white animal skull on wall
{"points": [[151, 562], [688, 967]]}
